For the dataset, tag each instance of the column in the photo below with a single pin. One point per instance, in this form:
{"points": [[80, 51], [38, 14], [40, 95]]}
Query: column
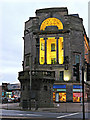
{"points": [[45, 51], [57, 49]]}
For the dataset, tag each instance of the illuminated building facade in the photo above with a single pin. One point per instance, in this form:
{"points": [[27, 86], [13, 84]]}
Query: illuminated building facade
{"points": [[53, 44]]}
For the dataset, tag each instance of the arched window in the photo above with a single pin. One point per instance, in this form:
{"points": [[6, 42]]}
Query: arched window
{"points": [[51, 49], [51, 22]]}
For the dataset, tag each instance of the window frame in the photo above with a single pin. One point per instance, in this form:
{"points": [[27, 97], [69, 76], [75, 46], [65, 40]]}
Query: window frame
{"points": [[52, 47], [61, 76]]}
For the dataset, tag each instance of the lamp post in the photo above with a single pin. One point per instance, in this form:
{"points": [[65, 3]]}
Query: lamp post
{"points": [[30, 82], [83, 109], [30, 72]]}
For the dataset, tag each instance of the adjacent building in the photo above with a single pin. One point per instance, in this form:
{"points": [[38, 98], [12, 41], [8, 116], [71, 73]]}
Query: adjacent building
{"points": [[10, 91], [55, 44]]}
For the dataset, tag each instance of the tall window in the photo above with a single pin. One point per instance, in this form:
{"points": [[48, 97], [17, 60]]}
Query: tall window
{"points": [[42, 51], [51, 50], [77, 59], [53, 60], [52, 47], [42, 46], [60, 50], [27, 61], [61, 75], [57, 97]]}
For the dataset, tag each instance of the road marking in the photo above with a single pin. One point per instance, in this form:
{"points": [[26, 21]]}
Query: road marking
{"points": [[67, 115], [20, 114], [33, 115], [29, 115]]}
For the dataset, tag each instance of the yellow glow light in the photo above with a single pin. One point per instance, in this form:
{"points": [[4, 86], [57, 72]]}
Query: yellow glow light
{"points": [[42, 51], [51, 54], [51, 22], [60, 50], [66, 78]]}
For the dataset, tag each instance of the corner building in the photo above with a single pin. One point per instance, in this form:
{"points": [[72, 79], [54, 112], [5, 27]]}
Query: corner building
{"points": [[53, 43]]}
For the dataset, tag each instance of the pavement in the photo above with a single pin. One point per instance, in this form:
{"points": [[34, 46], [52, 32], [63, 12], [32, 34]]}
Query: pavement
{"points": [[59, 107], [62, 111]]}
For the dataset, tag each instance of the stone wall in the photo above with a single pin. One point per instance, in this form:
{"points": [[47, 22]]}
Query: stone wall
{"points": [[72, 34]]}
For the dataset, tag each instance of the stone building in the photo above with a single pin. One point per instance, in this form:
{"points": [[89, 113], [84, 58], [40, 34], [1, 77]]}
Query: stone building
{"points": [[54, 41]]}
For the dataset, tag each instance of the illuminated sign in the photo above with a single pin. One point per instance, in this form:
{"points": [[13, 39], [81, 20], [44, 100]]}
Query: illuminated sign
{"points": [[77, 87], [59, 86]]}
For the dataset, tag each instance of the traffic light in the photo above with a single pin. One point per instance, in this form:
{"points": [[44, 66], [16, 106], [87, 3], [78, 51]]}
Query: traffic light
{"points": [[76, 71], [88, 72]]}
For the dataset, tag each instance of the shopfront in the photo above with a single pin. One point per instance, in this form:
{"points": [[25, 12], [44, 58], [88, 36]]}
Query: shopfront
{"points": [[77, 93], [59, 93]]}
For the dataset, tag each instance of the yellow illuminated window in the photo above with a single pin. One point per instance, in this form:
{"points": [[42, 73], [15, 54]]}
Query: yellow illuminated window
{"points": [[52, 47], [53, 60], [53, 96], [60, 50], [42, 59], [51, 50], [42, 46], [42, 51], [51, 22], [62, 97], [77, 97]]}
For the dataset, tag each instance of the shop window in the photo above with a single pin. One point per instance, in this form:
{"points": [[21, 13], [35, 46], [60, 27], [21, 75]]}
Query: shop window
{"points": [[27, 61], [53, 96], [77, 97], [52, 47], [57, 97], [62, 97], [61, 75]]}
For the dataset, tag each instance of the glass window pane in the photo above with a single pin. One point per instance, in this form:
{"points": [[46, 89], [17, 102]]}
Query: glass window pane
{"points": [[60, 50], [51, 50], [52, 47], [77, 97], [53, 60], [61, 75], [53, 96], [42, 51], [42, 46], [62, 97], [27, 61], [57, 97], [77, 58]]}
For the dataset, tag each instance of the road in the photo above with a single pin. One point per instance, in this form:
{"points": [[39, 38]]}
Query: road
{"points": [[38, 115]]}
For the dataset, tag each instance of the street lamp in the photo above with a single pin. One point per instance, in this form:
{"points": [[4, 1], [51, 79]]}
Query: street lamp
{"points": [[83, 92], [30, 73]]}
